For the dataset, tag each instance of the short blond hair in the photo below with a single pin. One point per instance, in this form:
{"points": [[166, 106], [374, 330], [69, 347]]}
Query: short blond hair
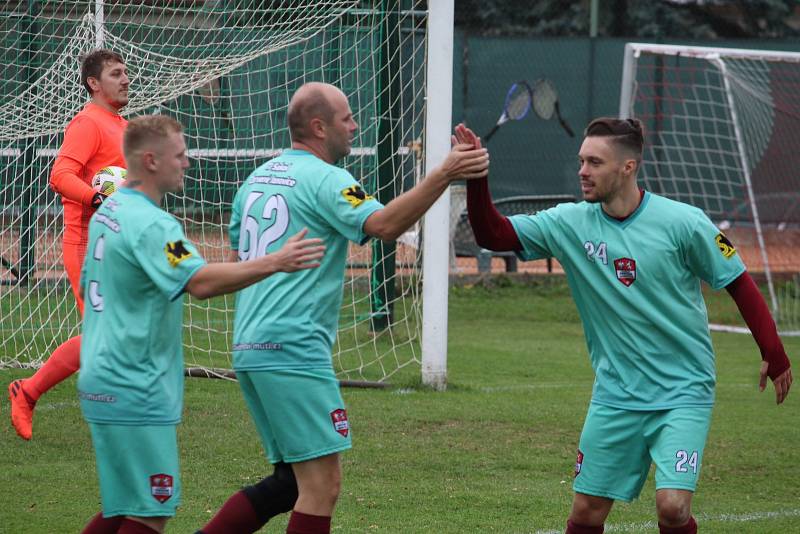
{"points": [[147, 129]]}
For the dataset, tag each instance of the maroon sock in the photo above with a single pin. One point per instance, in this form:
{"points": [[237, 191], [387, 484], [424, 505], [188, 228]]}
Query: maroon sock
{"points": [[300, 523], [129, 526], [236, 515], [103, 525], [575, 528], [688, 528]]}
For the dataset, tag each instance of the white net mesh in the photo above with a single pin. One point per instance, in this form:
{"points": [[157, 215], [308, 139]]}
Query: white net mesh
{"points": [[226, 70], [722, 133]]}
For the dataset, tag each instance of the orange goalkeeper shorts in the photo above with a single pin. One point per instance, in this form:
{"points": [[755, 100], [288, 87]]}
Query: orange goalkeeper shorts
{"points": [[73, 262]]}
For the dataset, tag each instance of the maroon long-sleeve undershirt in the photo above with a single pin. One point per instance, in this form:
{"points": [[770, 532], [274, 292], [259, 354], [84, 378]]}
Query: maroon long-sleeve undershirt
{"points": [[755, 312], [493, 231]]}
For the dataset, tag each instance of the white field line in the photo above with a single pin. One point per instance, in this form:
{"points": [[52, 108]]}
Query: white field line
{"points": [[573, 385], [648, 526], [556, 385], [47, 406]]}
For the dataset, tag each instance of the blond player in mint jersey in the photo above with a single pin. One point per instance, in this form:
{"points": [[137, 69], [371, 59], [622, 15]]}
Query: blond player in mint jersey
{"points": [[138, 265], [634, 262]]}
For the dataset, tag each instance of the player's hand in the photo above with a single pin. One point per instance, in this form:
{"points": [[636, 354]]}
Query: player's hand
{"points": [[782, 383], [298, 253], [464, 135], [465, 162], [98, 199]]}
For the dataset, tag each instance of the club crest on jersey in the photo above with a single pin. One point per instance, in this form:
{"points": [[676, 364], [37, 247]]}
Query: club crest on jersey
{"points": [[176, 252], [161, 487], [626, 270], [355, 195], [725, 246], [340, 422], [578, 463]]}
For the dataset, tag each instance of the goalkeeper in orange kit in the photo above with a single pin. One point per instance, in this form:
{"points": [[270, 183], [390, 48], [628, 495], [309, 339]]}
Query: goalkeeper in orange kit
{"points": [[93, 140]]}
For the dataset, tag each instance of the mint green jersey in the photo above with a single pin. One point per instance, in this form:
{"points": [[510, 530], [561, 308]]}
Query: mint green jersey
{"points": [[289, 320], [138, 262], [636, 284]]}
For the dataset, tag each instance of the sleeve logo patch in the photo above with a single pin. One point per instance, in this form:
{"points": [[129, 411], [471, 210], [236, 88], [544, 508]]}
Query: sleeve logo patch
{"points": [[725, 246], [355, 195], [176, 253]]}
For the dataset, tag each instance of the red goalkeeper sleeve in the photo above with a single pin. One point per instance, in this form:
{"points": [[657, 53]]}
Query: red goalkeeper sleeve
{"points": [[492, 230], [755, 312], [66, 181]]}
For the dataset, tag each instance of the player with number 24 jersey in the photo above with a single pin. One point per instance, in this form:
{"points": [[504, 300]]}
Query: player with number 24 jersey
{"points": [[636, 286], [634, 262]]}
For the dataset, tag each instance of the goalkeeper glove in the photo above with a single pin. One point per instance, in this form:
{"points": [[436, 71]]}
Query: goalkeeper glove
{"points": [[98, 199]]}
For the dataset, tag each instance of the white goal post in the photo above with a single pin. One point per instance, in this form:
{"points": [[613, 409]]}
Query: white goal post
{"points": [[226, 71], [722, 130], [436, 258]]}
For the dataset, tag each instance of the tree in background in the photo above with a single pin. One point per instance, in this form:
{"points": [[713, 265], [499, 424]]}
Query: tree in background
{"points": [[677, 19]]}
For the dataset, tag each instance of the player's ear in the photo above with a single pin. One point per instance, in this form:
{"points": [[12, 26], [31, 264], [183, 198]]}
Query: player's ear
{"points": [[317, 127], [148, 159], [93, 83], [630, 167]]}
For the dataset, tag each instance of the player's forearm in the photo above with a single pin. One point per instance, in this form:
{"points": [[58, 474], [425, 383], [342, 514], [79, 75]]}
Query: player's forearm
{"points": [[65, 180], [756, 314], [402, 212], [492, 230], [220, 278]]}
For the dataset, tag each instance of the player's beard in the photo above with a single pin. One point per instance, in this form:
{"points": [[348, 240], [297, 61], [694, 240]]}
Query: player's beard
{"points": [[592, 196], [608, 188], [122, 100], [341, 150]]}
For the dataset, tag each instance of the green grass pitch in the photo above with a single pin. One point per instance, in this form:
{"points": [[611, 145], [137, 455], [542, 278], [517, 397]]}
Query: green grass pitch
{"points": [[494, 453]]}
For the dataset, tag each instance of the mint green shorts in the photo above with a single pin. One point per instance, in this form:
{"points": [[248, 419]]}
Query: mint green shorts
{"points": [[299, 414], [617, 447], [138, 469]]}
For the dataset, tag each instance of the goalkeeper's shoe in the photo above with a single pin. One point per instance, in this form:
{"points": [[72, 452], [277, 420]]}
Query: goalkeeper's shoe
{"points": [[21, 410]]}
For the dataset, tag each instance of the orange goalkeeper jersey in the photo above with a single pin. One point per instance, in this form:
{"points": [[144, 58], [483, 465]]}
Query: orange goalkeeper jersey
{"points": [[93, 140]]}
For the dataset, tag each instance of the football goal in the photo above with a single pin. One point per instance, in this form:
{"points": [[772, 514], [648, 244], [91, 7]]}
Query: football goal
{"points": [[723, 134], [226, 70]]}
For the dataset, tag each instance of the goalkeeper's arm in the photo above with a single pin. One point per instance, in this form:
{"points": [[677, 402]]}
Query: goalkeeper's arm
{"points": [[65, 180]]}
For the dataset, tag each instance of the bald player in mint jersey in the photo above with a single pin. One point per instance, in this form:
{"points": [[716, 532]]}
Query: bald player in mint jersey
{"points": [[138, 265], [634, 262], [284, 330]]}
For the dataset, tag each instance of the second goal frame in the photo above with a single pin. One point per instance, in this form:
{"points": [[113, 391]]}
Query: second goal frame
{"points": [[715, 118]]}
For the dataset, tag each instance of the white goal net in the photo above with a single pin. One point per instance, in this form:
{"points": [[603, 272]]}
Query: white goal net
{"points": [[226, 70], [723, 133]]}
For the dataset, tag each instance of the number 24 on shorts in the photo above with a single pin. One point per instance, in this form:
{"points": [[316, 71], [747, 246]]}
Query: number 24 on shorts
{"points": [[686, 461]]}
